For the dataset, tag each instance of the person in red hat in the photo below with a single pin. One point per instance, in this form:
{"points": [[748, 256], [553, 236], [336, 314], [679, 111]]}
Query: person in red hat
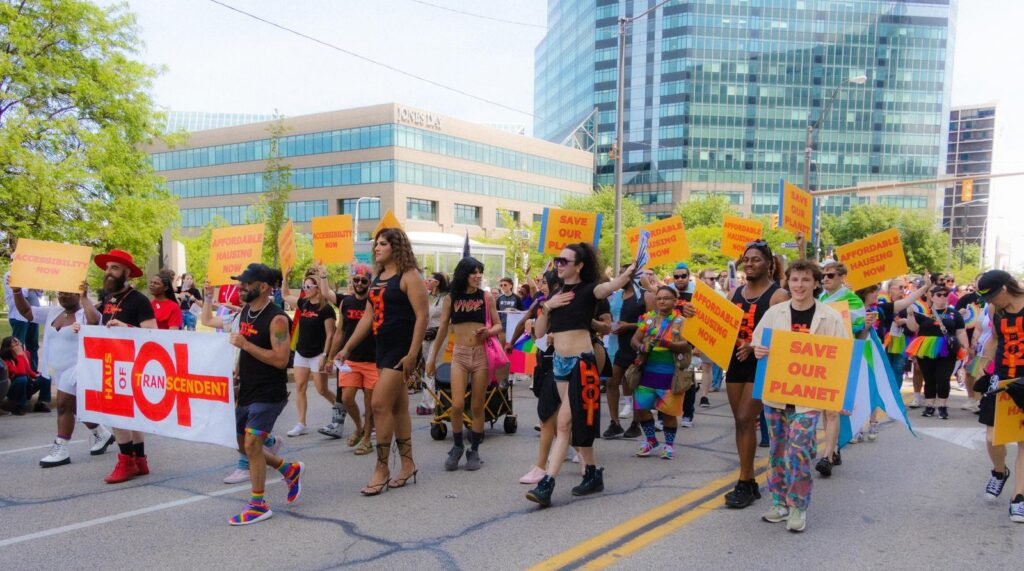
{"points": [[124, 306]]}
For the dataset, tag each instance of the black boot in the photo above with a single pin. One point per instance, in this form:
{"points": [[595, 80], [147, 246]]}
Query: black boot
{"points": [[542, 493], [593, 482]]}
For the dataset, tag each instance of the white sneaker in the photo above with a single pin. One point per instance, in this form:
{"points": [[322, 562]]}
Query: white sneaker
{"points": [[626, 409], [99, 441], [237, 477], [658, 425], [686, 422], [970, 405], [916, 401], [572, 455], [58, 455], [298, 430]]}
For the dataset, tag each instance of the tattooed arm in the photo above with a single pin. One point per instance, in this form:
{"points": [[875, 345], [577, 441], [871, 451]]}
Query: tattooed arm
{"points": [[277, 355]]}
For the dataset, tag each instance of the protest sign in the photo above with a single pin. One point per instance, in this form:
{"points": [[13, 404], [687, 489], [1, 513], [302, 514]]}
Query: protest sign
{"points": [[171, 383], [286, 247], [388, 221], [843, 309], [1008, 428], [332, 239], [559, 228], [714, 329], [38, 264], [803, 369], [667, 243], [737, 233], [232, 248], [873, 259], [797, 210]]}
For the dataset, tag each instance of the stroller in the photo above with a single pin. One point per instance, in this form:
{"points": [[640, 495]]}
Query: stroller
{"points": [[497, 403]]}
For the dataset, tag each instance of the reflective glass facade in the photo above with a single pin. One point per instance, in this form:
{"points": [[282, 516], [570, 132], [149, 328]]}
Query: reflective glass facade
{"points": [[722, 91], [301, 211], [969, 153]]}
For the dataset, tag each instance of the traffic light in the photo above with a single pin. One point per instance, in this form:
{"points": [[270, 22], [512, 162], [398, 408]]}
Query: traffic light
{"points": [[967, 190]]}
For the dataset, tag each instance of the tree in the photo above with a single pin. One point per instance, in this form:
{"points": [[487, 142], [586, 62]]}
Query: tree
{"points": [[925, 246], [271, 208], [603, 202], [197, 249], [75, 114], [707, 210]]}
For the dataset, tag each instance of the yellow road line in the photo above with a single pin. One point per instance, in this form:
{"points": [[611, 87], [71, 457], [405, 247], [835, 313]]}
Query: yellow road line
{"points": [[622, 530]]}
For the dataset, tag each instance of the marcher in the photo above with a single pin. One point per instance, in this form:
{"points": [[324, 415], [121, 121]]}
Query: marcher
{"points": [[632, 302], [316, 319], [681, 283], [508, 300], [792, 429], [166, 309], [437, 290], [188, 295], [264, 342], [21, 328], [940, 340]]}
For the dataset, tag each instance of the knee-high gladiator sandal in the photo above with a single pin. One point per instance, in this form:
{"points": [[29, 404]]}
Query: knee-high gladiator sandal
{"points": [[405, 451], [383, 453]]}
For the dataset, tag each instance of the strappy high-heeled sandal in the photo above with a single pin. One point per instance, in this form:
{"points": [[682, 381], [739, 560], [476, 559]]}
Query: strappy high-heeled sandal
{"points": [[383, 452], [405, 452]]}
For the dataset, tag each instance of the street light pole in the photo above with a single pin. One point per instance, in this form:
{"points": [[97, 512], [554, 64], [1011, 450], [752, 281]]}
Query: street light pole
{"points": [[952, 225], [355, 216]]}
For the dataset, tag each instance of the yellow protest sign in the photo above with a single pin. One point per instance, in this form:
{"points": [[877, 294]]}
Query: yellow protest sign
{"points": [[1009, 418], [796, 209], [38, 264], [286, 247], [843, 308], [232, 248], [714, 329], [873, 259], [388, 221], [332, 239], [737, 233], [803, 369], [561, 227], [667, 243]]}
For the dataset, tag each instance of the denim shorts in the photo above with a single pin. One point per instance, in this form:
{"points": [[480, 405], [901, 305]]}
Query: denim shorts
{"points": [[257, 418], [563, 366]]}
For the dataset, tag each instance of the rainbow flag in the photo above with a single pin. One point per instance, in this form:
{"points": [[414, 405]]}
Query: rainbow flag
{"points": [[524, 356], [922, 308], [973, 314]]}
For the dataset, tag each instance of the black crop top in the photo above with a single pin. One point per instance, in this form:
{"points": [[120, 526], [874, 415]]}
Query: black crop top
{"points": [[578, 313], [391, 308], [468, 308]]}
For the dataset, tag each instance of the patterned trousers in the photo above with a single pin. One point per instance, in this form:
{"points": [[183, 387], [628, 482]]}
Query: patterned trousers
{"points": [[792, 448]]}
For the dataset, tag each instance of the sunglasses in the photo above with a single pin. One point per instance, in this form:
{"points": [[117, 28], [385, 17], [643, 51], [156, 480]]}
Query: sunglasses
{"points": [[756, 244], [560, 261], [363, 280], [309, 286], [681, 276], [830, 275], [664, 299]]}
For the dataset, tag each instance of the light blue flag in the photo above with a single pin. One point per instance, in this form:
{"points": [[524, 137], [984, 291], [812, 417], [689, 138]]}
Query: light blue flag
{"points": [[877, 387]]}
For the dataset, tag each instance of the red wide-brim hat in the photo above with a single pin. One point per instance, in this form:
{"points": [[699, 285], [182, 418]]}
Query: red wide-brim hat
{"points": [[120, 257]]}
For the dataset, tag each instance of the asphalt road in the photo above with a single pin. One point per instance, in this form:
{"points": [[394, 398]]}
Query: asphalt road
{"points": [[901, 502]]}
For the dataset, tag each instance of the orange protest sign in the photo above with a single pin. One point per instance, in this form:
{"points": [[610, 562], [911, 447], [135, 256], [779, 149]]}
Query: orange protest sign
{"points": [[843, 308], [286, 247], [667, 243], [1009, 426], [560, 227], [737, 233], [332, 239], [388, 221], [38, 264], [796, 209], [715, 327], [873, 259], [232, 248], [803, 369]]}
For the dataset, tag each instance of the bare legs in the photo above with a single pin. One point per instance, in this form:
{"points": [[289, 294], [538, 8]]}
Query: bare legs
{"points": [[746, 411]]}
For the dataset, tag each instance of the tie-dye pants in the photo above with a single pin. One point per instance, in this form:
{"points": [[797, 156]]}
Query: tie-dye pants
{"points": [[792, 449]]}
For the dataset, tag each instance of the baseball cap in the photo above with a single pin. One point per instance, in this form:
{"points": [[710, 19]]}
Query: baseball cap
{"points": [[991, 282], [682, 266], [256, 273]]}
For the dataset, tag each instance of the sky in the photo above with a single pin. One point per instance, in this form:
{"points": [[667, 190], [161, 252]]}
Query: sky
{"points": [[215, 59]]}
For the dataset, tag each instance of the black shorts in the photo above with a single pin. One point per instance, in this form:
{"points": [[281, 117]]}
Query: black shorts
{"points": [[392, 346], [624, 358], [257, 418], [987, 407]]}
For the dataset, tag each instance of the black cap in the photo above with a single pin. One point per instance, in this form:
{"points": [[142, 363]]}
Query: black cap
{"points": [[991, 283], [256, 273]]}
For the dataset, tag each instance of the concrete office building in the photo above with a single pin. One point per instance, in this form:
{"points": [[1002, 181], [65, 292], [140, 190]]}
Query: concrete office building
{"points": [[971, 138], [719, 94], [437, 174]]}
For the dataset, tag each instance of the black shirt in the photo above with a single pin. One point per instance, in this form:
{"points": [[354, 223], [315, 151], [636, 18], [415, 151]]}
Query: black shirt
{"points": [[392, 311], [753, 311], [632, 309], [312, 328], [802, 318], [509, 302], [186, 304], [578, 313], [258, 381], [1009, 332], [468, 307], [928, 327], [352, 310], [130, 308]]}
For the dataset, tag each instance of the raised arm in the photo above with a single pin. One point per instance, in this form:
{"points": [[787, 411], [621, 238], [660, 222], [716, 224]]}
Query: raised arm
{"points": [[92, 315], [208, 319], [602, 291], [917, 294]]}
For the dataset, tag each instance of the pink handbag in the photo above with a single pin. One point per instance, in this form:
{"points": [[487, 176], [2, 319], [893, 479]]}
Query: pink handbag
{"points": [[497, 359]]}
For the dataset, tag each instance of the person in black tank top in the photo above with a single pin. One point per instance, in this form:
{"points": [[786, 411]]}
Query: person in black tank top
{"points": [[633, 307], [260, 331], [469, 311], [754, 298], [397, 317]]}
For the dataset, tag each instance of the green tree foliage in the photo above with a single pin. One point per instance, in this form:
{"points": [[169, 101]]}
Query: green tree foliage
{"points": [[707, 210], [924, 245], [277, 187], [74, 116], [603, 202], [197, 249]]}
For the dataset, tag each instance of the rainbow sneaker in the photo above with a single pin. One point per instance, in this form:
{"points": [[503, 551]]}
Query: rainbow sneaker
{"points": [[254, 512], [293, 477]]}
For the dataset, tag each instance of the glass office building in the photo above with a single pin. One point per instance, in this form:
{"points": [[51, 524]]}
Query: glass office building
{"points": [[719, 94], [971, 143]]}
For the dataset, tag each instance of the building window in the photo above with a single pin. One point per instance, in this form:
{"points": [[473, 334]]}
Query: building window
{"points": [[368, 209], [500, 218], [467, 214], [538, 218], [417, 209]]}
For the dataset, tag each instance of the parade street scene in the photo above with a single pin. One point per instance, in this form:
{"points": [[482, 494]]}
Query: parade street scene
{"points": [[542, 285]]}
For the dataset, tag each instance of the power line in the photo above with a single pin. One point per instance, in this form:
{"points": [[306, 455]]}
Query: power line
{"points": [[481, 16], [371, 60]]}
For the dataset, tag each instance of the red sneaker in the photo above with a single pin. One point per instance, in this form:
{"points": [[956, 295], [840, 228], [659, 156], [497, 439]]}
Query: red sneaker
{"points": [[124, 471], [142, 465]]}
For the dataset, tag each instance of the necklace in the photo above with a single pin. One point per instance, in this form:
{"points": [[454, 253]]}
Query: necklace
{"points": [[756, 299], [250, 317]]}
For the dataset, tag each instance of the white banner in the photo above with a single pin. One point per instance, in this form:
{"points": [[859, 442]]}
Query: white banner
{"points": [[171, 383]]}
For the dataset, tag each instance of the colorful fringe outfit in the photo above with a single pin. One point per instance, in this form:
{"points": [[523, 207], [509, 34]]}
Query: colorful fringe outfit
{"points": [[655, 389]]}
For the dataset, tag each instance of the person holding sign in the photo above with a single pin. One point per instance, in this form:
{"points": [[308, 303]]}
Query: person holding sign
{"points": [[940, 340], [1001, 292], [467, 310], [397, 317], [754, 297], [262, 337], [568, 316], [792, 429]]}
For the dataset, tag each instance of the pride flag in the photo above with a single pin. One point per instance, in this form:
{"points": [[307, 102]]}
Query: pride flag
{"points": [[877, 387], [524, 356]]}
